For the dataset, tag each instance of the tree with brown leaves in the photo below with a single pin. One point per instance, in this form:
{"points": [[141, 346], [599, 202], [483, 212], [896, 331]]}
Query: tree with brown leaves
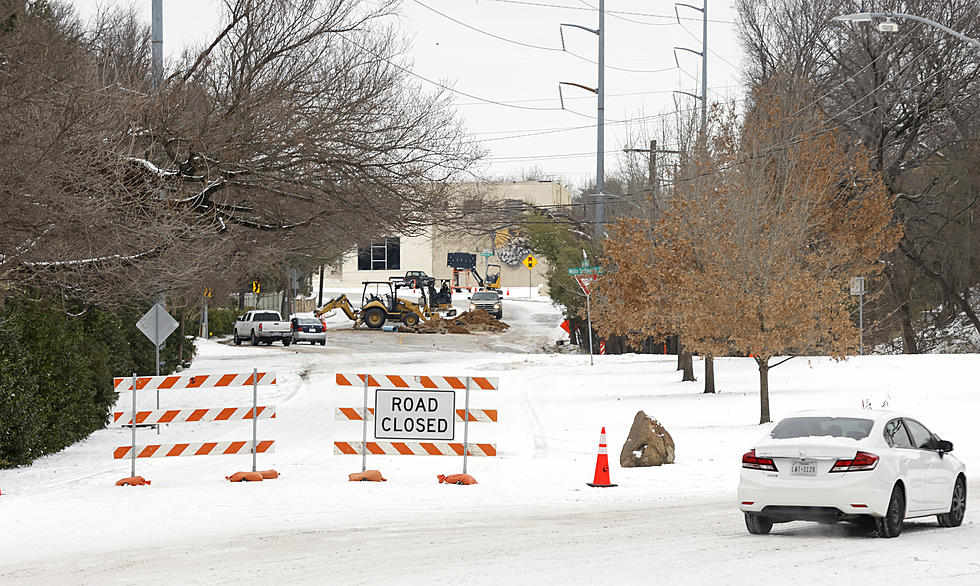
{"points": [[753, 254]]}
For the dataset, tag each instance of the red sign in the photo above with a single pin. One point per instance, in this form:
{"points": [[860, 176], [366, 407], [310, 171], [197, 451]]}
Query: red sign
{"points": [[602, 346], [586, 281], [564, 326]]}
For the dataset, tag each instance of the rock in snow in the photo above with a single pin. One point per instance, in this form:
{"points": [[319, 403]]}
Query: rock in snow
{"points": [[648, 444]]}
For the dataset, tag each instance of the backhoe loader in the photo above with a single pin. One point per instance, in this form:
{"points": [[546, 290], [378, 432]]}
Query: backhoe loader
{"points": [[378, 307]]}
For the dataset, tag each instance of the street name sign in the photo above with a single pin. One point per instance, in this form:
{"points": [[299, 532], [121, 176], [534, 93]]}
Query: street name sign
{"points": [[583, 270]]}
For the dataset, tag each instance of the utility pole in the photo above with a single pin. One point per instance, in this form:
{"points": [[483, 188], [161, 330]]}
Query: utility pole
{"points": [[704, 60], [599, 90], [653, 150], [600, 207], [156, 43], [319, 299]]}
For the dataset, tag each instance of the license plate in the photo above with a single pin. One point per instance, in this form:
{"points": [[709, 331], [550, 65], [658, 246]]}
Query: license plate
{"points": [[803, 468]]}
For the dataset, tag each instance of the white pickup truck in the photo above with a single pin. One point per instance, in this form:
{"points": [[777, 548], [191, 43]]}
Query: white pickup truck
{"points": [[263, 325]]}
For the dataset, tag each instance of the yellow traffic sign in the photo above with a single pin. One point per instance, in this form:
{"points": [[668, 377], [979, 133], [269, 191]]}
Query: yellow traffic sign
{"points": [[207, 292], [529, 261], [255, 287]]}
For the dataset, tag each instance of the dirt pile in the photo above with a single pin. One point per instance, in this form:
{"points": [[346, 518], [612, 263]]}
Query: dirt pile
{"points": [[466, 323], [481, 321]]}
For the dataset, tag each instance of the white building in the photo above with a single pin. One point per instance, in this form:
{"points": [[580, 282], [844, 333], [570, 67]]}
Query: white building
{"points": [[428, 252]]}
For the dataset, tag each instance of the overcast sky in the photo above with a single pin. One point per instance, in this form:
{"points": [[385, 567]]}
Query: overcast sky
{"points": [[447, 49]]}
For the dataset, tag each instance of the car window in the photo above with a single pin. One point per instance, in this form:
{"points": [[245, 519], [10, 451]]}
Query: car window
{"points": [[265, 316], [852, 427], [921, 437], [485, 297], [895, 434], [307, 321]]}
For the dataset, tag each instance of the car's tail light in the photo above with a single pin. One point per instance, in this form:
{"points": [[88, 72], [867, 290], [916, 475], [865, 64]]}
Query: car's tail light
{"points": [[861, 461], [749, 460], [260, 327]]}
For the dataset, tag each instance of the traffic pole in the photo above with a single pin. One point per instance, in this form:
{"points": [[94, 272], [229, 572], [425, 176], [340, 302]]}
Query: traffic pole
{"points": [[364, 427], [466, 425], [588, 313], [133, 427], [255, 402]]}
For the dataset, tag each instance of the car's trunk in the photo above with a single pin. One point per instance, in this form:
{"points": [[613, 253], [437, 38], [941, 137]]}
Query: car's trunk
{"points": [[818, 447]]}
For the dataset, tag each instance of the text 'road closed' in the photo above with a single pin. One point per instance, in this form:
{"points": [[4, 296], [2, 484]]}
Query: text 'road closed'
{"points": [[414, 414]]}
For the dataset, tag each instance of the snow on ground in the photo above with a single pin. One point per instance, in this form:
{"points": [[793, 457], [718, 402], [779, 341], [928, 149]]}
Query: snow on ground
{"points": [[530, 519]]}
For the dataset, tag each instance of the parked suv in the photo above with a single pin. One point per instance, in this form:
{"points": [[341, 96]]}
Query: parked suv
{"points": [[488, 301]]}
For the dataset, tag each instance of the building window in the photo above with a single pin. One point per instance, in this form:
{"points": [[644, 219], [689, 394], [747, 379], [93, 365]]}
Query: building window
{"points": [[379, 256]]}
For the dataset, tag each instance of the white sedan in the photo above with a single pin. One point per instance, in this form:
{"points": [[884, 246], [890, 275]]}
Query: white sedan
{"points": [[873, 467]]}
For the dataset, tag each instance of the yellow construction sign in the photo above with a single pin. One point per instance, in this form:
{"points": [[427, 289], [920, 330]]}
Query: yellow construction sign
{"points": [[529, 261]]}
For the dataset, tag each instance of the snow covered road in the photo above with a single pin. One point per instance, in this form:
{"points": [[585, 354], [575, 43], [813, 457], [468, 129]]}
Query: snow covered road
{"points": [[530, 519], [694, 541]]}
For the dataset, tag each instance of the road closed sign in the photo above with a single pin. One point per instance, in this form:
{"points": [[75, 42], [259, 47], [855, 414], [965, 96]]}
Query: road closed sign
{"points": [[414, 414]]}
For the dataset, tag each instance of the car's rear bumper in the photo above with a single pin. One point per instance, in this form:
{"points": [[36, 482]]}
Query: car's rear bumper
{"points": [[851, 493], [310, 336], [272, 335]]}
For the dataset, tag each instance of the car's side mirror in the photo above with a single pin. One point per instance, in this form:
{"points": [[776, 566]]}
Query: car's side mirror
{"points": [[944, 446]]}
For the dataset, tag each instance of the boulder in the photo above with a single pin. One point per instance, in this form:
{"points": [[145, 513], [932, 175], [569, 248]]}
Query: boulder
{"points": [[648, 444]]}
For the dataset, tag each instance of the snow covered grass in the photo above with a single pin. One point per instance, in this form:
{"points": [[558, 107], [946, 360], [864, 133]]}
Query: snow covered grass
{"points": [[62, 518]]}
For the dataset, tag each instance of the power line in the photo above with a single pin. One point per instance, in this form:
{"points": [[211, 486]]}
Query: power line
{"points": [[487, 33], [620, 95], [539, 47], [567, 7], [615, 15], [768, 151], [453, 90]]}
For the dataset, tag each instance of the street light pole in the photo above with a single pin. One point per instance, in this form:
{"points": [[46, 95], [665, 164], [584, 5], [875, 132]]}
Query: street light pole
{"points": [[869, 16]]}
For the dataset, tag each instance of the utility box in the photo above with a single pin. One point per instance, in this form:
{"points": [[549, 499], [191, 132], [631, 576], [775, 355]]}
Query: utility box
{"points": [[461, 260]]}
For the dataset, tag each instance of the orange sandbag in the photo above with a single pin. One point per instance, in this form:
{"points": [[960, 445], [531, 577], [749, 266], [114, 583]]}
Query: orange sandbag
{"points": [[268, 474], [457, 479], [367, 475], [245, 476], [133, 481]]}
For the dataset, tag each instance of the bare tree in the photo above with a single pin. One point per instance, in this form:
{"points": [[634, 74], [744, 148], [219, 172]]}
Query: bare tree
{"points": [[296, 132]]}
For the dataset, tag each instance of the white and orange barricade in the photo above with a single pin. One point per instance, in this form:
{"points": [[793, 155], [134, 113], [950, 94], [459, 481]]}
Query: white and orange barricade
{"points": [[417, 408], [135, 418]]}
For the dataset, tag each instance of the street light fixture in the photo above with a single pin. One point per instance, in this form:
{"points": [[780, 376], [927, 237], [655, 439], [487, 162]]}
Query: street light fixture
{"points": [[890, 26], [856, 17]]}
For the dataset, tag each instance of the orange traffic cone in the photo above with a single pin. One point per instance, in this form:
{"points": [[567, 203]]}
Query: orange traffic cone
{"points": [[602, 465]]}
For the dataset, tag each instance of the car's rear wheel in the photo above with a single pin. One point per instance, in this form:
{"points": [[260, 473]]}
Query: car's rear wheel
{"points": [[323, 342], [253, 339], [891, 524], [286, 341], [238, 340], [758, 524], [957, 508]]}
